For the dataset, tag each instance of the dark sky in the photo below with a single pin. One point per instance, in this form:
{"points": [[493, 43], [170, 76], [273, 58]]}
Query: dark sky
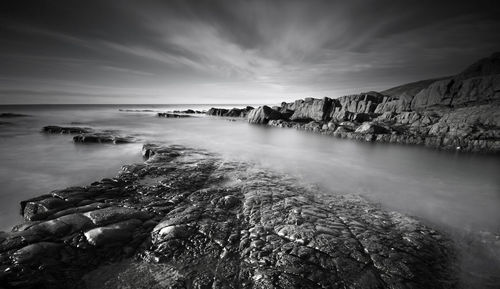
{"points": [[232, 51]]}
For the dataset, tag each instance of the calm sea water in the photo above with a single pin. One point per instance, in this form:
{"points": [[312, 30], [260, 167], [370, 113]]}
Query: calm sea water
{"points": [[456, 192]]}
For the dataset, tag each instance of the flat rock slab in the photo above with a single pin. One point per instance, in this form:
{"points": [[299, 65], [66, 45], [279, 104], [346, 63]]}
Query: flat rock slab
{"points": [[172, 115], [10, 115], [189, 219], [65, 129], [88, 135], [102, 137]]}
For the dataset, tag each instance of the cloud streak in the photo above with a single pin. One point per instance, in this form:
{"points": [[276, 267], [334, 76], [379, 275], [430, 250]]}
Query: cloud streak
{"points": [[235, 51]]}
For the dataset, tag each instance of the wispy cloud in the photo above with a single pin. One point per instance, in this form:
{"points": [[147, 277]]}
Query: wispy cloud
{"points": [[241, 50]]}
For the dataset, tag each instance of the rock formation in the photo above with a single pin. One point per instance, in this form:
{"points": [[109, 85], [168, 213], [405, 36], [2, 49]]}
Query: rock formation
{"points": [[65, 129], [188, 219], [234, 112], [88, 135], [460, 112]]}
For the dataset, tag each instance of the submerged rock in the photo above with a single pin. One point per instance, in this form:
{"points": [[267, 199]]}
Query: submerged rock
{"points": [[187, 218], [102, 137], [172, 115], [10, 115], [136, 110], [66, 129]]}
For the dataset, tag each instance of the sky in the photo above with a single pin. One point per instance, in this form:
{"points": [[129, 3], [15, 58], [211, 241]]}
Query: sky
{"points": [[256, 52]]}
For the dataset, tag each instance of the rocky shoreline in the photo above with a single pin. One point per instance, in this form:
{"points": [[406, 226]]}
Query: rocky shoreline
{"points": [[460, 113], [88, 135], [187, 218]]}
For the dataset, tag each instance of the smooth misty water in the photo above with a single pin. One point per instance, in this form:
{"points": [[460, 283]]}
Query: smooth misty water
{"points": [[459, 193]]}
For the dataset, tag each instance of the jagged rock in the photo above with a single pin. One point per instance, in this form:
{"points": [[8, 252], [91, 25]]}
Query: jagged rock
{"points": [[234, 112], [460, 112], [312, 109], [66, 129], [263, 114], [237, 112], [217, 111]]}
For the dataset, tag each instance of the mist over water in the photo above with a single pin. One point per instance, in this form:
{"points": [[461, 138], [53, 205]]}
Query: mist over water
{"points": [[459, 193]]}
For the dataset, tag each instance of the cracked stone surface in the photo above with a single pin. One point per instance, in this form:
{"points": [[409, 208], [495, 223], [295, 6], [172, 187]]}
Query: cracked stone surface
{"points": [[188, 219]]}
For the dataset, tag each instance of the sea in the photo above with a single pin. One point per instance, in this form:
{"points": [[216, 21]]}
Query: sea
{"points": [[457, 193]]}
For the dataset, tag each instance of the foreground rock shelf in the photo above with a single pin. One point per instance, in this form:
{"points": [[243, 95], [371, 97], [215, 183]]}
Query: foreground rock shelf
{"points": [[188, 219]]}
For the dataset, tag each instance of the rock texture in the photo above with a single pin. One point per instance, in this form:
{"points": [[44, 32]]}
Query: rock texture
{"points": [[188, 219], [234, 112], [461, 112], [65, 129], [103, 137], [88, 135], [263, 114]]}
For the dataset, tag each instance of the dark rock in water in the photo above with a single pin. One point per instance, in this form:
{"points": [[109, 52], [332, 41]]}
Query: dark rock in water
{"points": [[172, 115], [87, 135], [187, 218], [65, 129], [136, 110], [217, 111], [234, 112], [10, 114], [263, 114], [102, 137]]}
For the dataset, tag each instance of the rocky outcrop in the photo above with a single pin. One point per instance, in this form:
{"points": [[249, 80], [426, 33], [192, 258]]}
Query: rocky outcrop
{"points": [[312, 109], [460, 112], [88, 135], [188, 219], [263, 114], [234, 112]]}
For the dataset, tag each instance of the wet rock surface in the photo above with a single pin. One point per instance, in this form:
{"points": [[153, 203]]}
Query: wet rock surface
{"points": [[189, 219], [11, 115], [103, 137], [88, 135], [65, 129]]}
